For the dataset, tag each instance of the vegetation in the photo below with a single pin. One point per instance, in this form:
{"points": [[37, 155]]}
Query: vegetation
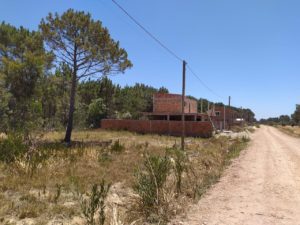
{"points": [[57, 77], [43, 89], [148, 172], [95, 202], [12, 149], [85, 46], [296, 115], [284, 120], [150, 184], [290, 130]]}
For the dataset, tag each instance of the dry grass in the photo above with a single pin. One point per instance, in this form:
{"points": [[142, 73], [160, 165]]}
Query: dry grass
{"points": [[294, 131], [51, 193]]}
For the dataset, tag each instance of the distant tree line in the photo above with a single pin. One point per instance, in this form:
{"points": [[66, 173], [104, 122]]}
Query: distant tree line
{"points": [[284, 120]]}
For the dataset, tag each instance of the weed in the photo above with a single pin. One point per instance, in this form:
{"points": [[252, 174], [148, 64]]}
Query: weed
{"points": [[30, 207], [104, 157], [236, 147], [34, 158], [95, 202], [57, 193], [180, 165], [207, 182], [12, 149], [149, 184], [117, 147], [251, 129]]}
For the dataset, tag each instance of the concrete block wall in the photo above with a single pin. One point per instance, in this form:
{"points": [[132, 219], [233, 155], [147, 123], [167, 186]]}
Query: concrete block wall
{"points": [[174, 128]]}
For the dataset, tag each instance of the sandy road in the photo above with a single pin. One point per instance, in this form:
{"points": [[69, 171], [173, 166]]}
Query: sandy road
{"points": [[261, 187]]}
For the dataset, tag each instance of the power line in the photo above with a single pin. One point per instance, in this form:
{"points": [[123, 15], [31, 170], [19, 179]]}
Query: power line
{"points": [[148, 32], [203, 83], [166, 48]]}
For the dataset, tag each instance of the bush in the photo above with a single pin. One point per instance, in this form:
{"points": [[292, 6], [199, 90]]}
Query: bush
{"points": [[12, 149], [117, 147], [236, 147], [180, 165], [95, 202], [96, 112], [150, 182]]}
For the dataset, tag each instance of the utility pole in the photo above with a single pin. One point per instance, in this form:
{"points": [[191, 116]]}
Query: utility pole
{"points": [[224, 124], [229, 113], [201, 105], [182, 105]]}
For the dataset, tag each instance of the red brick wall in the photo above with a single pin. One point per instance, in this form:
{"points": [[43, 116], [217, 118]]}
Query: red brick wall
{"points": [[229, 117], [171, 103], [230, 113], [192, 128]]}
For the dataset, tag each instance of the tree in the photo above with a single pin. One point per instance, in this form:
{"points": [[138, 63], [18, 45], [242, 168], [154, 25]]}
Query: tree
{"points": [[135, 100], [284, 120], [85, 46], [163, 90], [55, 88], [23, 61], [96, 112], [296, 115]]}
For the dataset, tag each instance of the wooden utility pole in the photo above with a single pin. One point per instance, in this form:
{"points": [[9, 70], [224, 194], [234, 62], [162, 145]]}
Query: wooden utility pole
{"points": [[224, 123], [229, 113], [182, 105], [201, 105]]}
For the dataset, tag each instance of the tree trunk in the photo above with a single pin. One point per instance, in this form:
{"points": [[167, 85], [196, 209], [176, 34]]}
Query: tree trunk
{"points": [[71, 109], [72, 99]]}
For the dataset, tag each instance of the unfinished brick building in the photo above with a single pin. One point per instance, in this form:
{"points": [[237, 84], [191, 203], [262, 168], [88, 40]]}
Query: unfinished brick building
{"points": [[169, 107], [218, 117], [166, 118]]}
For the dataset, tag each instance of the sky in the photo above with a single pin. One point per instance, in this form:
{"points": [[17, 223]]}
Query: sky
{"points": [[249, 50]]}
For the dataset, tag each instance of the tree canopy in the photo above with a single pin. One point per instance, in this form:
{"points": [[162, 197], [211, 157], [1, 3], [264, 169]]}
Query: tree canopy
{"points": [[23, 61], [85, 46]]}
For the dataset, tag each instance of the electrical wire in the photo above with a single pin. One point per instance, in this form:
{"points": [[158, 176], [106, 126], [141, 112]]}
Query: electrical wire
{"points": [[204, 84], [148, 32], [166, 48]]}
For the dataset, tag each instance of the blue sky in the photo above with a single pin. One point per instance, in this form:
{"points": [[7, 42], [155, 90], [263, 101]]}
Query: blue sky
{"points": [[248, 49]]}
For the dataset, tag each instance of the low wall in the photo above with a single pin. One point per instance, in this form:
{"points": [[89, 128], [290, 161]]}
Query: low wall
{"points": [[192, 128]]}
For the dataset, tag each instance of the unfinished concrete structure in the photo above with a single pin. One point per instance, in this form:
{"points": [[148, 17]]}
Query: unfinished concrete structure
{"points": [[166, 118]]}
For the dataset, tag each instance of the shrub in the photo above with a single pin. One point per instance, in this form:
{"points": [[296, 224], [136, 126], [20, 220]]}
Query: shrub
{"points": [[95, 202], [96, 112], [57, 193], [12, 148], [117, 147], [236, 147], [180, 165], [150, 182]]}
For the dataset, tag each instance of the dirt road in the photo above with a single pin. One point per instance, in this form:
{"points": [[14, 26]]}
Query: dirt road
{"points": [[261, 187]]}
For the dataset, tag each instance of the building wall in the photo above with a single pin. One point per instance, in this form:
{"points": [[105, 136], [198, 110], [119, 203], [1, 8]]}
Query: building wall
{"points": [[174, 128], [218, 120], [171, 103]]}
